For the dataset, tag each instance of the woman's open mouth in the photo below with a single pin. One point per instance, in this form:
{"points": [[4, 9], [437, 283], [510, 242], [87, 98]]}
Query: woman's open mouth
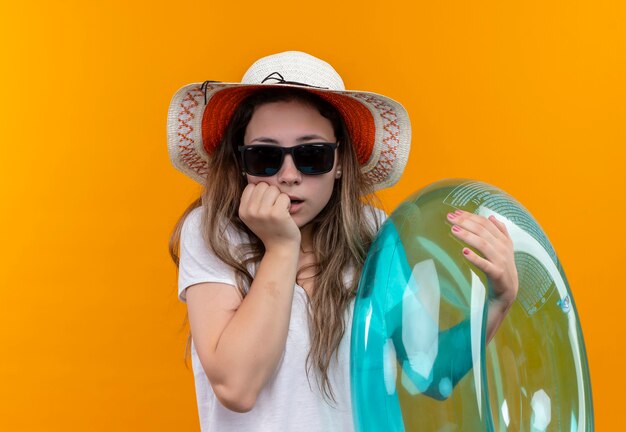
{"points": [[296, 203]]}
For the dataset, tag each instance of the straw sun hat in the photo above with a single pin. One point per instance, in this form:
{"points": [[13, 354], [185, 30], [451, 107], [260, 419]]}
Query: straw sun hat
{"points": [[199, 113]]}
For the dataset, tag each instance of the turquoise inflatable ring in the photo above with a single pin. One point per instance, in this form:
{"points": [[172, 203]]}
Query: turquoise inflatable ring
{"points": [[418, 355]]}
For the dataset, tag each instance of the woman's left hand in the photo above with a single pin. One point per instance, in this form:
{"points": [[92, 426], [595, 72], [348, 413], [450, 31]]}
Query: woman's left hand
{"points": [[491, 238]]}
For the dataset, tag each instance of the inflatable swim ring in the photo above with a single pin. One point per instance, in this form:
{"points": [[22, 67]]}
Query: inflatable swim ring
{"points": [[418, 355]]}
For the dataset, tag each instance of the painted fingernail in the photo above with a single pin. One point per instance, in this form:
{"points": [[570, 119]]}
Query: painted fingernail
{"points": [[451, 215], [456, 228], [465, 251], [459, 212]]}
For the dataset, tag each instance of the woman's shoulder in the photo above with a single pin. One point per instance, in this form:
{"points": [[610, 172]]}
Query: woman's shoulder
{"points": [[193, 222], [374, 215], [194, 217]]}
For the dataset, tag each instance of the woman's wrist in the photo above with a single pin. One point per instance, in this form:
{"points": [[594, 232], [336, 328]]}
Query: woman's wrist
{"points": [[287, 248], [501, 304]]}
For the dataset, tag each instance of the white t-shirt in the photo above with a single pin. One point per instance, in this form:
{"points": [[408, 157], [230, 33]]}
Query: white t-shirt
{"points": [[287, 402]]}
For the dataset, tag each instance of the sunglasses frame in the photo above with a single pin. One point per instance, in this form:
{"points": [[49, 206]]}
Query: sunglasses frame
{"points": [[284, 151]]}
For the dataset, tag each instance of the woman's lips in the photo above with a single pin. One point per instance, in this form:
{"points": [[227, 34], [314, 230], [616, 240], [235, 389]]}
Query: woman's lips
{"points": [[296, 204]]}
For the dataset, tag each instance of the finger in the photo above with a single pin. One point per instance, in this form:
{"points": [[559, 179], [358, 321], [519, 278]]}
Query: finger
{"points": [[478, 225], [283, 202], [245, 197], [269, 198], [254, 203], [501, 226], [493, 249], [480, 262], [484, 243]]}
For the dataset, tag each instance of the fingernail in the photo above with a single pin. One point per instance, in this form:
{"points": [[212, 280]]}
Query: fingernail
{"points": [[451, 215], [465, 251], [456, 228], [458, 212]]}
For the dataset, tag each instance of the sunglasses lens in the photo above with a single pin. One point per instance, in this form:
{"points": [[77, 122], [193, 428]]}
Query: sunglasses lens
{"points": [[262, 160], [266, 160], [314, 158]]}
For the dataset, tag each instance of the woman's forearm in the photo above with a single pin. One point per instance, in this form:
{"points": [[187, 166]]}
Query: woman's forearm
{"points": [[253, 342], [498, 309]]}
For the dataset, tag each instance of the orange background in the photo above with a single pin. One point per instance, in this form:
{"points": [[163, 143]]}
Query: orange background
{"points": [[528, 96]]}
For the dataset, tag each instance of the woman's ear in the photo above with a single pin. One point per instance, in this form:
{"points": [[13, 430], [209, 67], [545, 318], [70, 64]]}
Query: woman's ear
{"points": [[338, 172]]}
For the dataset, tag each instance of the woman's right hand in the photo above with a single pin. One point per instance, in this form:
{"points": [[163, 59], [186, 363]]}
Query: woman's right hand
{"points": [[265, 210]]}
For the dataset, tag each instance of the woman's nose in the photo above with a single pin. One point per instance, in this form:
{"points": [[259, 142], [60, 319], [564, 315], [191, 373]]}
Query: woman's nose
{"points": [[288, 173]]}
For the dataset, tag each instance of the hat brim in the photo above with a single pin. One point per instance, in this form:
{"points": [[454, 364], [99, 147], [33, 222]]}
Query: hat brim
{"points": [[199, 113]]}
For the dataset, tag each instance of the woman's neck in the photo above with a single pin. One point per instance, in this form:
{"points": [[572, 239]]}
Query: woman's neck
{"points": [[306, 238]]}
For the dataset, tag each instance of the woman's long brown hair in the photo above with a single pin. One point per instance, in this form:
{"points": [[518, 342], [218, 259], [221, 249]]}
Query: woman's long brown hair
{"points": [[341, 232]]}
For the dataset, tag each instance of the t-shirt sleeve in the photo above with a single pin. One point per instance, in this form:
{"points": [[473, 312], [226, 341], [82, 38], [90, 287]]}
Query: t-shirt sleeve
{"points": [[198, 263], [381, 216], [375, 216]]}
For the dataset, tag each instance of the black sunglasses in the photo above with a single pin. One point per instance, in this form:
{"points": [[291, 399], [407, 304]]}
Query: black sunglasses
{"points": [[311, 158]]}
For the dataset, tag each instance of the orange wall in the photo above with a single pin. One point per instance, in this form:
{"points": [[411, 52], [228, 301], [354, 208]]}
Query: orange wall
{"points": [[527, 96]]}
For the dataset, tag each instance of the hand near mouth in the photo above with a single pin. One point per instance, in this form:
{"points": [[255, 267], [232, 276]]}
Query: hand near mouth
{"points": [[265, 210]]}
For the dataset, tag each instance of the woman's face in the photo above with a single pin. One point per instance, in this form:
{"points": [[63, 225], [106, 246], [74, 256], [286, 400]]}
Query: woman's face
{"points": [[287, 124]]}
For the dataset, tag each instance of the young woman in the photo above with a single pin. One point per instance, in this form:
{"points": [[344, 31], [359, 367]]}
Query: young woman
{"points": [[270, 254]]}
